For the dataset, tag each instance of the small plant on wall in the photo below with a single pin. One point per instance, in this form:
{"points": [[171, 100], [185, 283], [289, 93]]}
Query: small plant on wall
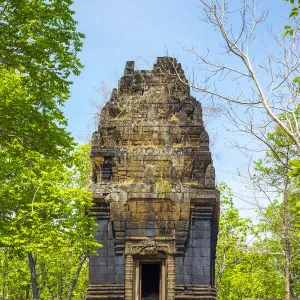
{"points": [[163, 167]]}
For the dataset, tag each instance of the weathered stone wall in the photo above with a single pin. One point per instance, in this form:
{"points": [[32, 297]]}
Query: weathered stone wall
{"points": [[154, 185]]}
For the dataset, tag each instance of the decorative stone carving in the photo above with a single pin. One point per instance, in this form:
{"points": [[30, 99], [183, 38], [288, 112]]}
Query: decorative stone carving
{"points": [[204, 141], [186, 140], [210, 176], [150, 247]]}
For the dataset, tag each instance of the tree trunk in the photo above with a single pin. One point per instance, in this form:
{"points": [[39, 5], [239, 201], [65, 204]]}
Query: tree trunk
{"points": [[74, 282], [293, 293], [34, 284], [59, 289], [287, 254], [5, 275], [287, 243], [27, 292]]}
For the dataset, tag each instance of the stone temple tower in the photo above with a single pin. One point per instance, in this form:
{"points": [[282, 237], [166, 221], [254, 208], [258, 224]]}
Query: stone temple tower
{"points": [[155, 199]]}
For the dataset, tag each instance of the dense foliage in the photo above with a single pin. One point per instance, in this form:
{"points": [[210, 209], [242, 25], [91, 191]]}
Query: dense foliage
{"points": [[38, 51], [45, 232], [261, 260], [44, 217], [250, 257]]}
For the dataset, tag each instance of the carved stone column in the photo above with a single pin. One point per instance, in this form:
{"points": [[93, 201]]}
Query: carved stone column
{"points": [[171, 277], [128, 277]]}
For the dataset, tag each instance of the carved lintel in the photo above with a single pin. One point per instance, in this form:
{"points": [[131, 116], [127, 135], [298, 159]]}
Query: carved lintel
{"points": [[147, 246]]}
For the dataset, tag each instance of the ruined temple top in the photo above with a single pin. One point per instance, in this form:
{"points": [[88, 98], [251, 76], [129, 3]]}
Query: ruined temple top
{"points": [[139, 81], [152, 118]]}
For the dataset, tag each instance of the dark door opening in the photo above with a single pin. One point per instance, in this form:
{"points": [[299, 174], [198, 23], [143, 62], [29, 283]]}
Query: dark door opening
{"points": [[150, 281]]}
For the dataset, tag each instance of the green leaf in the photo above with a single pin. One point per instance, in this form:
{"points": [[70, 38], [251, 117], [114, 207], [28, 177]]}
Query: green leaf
{"points": [[293, 14], [295, 172], [294, 163]]}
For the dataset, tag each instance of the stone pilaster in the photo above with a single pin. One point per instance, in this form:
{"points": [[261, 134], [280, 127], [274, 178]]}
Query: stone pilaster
{"points": [[128, 277], [171, 277]]}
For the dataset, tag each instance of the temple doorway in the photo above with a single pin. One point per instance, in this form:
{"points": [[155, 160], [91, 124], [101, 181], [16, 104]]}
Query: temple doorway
{"points": [[150, 281]]}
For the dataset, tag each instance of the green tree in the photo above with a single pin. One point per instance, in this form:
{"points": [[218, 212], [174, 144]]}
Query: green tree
{"points": [[289, 30], [56, 271], [46, 212], [280, 218], [232, 241], [242, 268], [43, 195], [281, 246], [39, 46]]}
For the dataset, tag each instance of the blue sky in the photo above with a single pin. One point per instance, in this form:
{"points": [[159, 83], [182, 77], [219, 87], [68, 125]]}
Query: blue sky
{"points": [[117, 31]]}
